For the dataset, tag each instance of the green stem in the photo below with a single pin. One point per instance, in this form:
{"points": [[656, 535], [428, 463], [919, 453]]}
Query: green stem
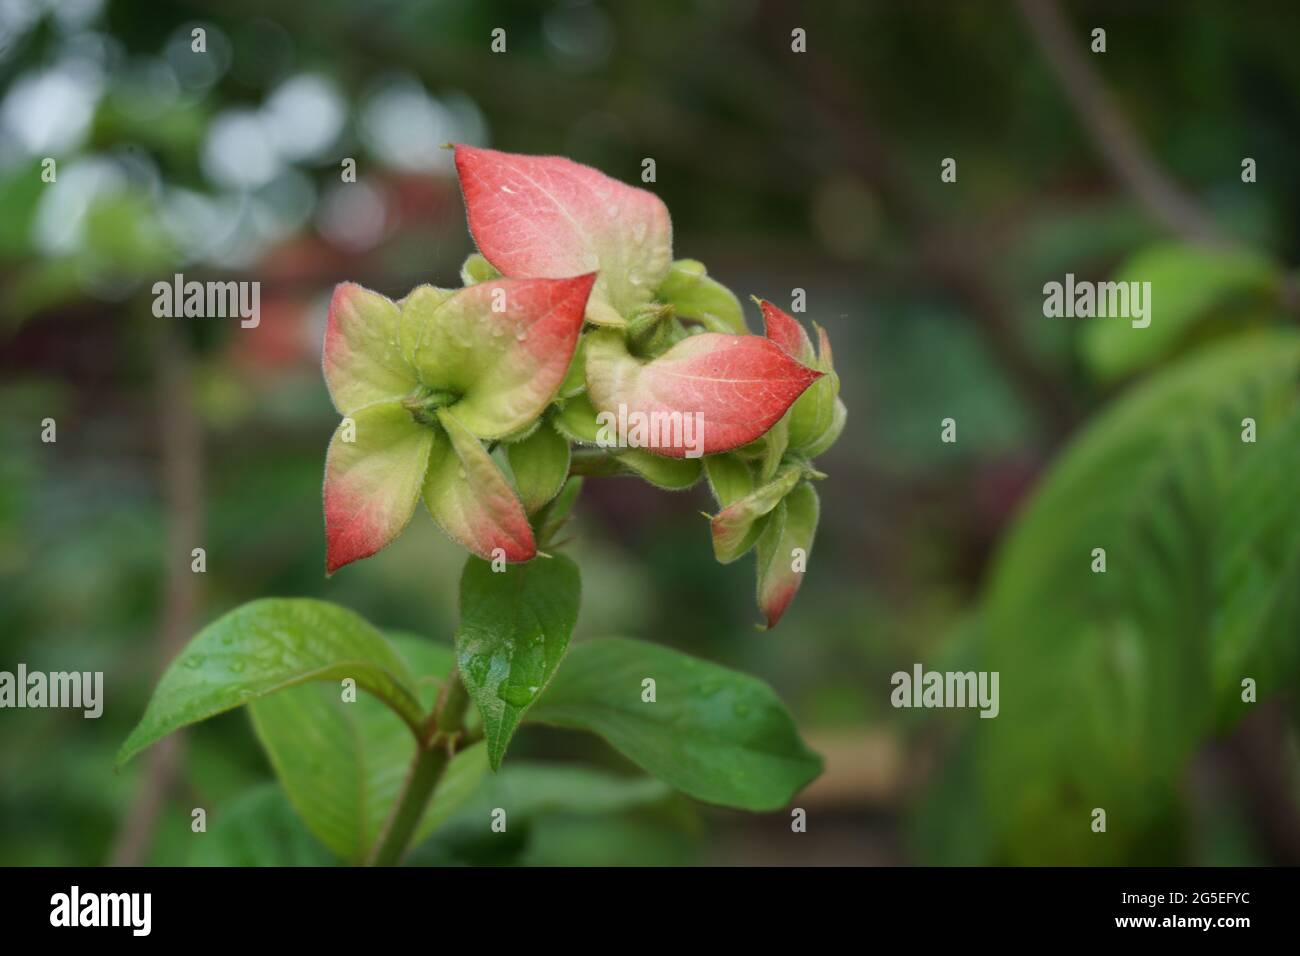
{"points": [[432, 755]]}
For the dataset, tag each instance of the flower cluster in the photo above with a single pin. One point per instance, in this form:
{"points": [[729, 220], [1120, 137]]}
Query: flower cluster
{"points": [[485, 401]]}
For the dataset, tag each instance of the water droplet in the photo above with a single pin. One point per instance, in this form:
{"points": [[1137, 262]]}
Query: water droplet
{"points": [[194, 661], [520, 335], [507, 189], [517, 694], [741, 710], [611, 210], [237, 666]]}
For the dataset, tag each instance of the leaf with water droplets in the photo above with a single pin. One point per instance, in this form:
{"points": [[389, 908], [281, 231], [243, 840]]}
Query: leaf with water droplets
{"points": [[546, 216], [267, 646], [514, 631], [715, 734]]}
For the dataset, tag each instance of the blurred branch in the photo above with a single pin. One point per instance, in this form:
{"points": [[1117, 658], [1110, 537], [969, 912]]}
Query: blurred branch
{"points": [[951, 255], [1111, 133], [182, 474]]}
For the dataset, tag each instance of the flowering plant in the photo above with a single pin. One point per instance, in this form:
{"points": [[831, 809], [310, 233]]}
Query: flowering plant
{"points": [[576, 348]]}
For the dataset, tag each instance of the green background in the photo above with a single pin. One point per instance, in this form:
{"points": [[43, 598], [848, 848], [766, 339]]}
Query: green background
{"points": [[817, 171]]}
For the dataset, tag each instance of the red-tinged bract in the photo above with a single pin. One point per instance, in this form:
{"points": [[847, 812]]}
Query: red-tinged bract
{"points": [[549, 217], [740, 385], [785, 331]]}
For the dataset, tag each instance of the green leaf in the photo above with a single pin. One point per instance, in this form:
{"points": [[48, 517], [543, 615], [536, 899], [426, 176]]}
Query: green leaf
{"points": [[736, 527], [527, 789], [540, 464], [259, 829], [1111, 680], [717, 735], [671, 474], [775, 443], [476, 269], [1189, 284], [695, 296], [343, 763], [460, 782], [730, 478], [502, 346], [576, 420], [430, 661], [1258, 544], [606, 841], [514, 630], [363, 361], [418, 310], [812, 417], [575, 379], [556, 514], [822, 443], [266, 646], [535, 797]]}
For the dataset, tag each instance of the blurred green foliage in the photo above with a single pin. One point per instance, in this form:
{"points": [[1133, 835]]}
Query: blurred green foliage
{"points": [[772, 165]]}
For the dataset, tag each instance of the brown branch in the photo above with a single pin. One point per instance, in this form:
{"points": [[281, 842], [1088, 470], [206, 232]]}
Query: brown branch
{"points": [[1111, 133], [182, 467]]}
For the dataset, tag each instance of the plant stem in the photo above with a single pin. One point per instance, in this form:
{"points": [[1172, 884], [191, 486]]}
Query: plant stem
{"points": [[432, 755], [426, 770]]}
